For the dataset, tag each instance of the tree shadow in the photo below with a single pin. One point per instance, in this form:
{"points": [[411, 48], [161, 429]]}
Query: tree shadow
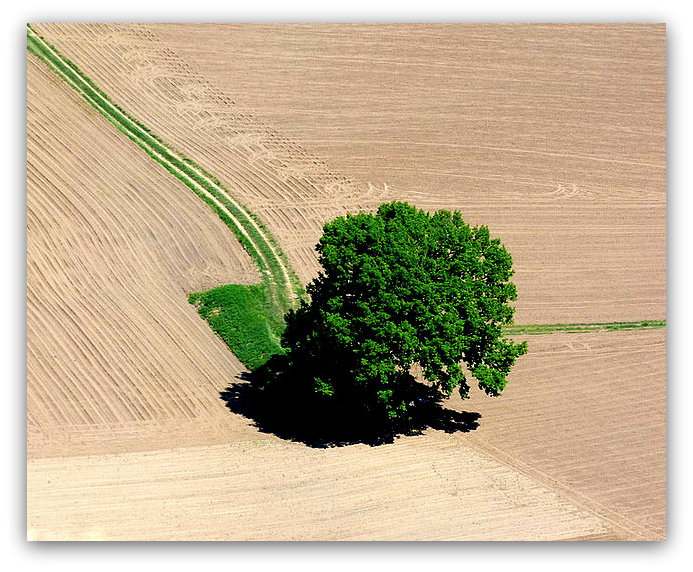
{"points": [[292, 422]]}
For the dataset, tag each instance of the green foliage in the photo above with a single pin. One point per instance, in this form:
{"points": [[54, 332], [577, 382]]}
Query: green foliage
{"points": [[244, 318], [398, 288]]}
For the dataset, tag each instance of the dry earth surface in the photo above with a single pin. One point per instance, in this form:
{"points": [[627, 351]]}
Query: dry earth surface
{"points": [[114, 246], [553, 136], [587, 412]]}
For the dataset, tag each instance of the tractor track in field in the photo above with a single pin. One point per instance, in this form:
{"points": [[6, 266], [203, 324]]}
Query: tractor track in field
{"points": [[256, 239]]}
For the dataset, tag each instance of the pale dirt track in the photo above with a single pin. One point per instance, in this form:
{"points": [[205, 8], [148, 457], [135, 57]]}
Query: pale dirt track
{"points": [[127, 436]]}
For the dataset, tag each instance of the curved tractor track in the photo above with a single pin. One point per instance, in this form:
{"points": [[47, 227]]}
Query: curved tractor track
{"points": [[284, 286]]}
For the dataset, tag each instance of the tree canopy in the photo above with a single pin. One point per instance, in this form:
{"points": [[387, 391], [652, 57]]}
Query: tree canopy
{"points": [[399, 288]]}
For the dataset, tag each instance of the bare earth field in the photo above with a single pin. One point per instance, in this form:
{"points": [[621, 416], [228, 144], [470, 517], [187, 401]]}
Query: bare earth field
{"points": [[553, 136], [292, 192], [437, 488], [587, 412], [114, 246], [551, 459]]}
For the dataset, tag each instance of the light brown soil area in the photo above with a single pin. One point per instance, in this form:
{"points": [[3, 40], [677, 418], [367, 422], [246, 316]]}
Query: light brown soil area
{"points": [[436, 488], [114, 246], [291, 191], [587, 412], [554, 138], [556, 457], [552, 135]]}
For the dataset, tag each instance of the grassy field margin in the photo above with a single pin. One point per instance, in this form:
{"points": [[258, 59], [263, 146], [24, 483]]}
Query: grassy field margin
{"points": [[538, 329], [257, 240], [280, 288]]}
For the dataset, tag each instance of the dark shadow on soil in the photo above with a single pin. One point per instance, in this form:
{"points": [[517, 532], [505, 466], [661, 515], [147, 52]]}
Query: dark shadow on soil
{"points": [[289, 422]]}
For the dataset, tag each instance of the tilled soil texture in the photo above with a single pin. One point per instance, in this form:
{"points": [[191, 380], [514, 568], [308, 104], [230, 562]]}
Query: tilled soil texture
{"points": [[114, 246], [438, 488], [587, 412], [291, 191], [554, 136]]}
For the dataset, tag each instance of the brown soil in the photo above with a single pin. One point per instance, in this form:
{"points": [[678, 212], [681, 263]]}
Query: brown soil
{"points": [[553, 136], [587, 412], [114, 246]]}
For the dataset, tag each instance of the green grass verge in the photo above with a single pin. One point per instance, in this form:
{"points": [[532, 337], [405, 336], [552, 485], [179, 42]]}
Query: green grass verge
{"points": [[536, 329], [248, 318], [242, 316], [261, 245]]}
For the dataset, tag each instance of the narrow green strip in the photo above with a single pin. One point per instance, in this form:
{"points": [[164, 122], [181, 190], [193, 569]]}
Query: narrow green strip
{"points": [[255, 238], [241, 316], [535, 329]]}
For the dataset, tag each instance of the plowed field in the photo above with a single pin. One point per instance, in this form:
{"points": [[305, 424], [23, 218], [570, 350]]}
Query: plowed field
{"points": [[552, 136], [114, 246]]}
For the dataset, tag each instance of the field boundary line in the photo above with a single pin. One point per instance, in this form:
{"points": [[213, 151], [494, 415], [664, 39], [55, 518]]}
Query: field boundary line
{"points": [[573, 328], [613, 518]]}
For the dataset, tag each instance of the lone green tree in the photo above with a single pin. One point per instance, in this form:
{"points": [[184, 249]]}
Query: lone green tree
{"points": [[399, 288]]}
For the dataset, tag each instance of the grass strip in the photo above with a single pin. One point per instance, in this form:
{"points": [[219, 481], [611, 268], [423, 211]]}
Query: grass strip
{"points": [[248, 318], [254, 237], [536, 329]]}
